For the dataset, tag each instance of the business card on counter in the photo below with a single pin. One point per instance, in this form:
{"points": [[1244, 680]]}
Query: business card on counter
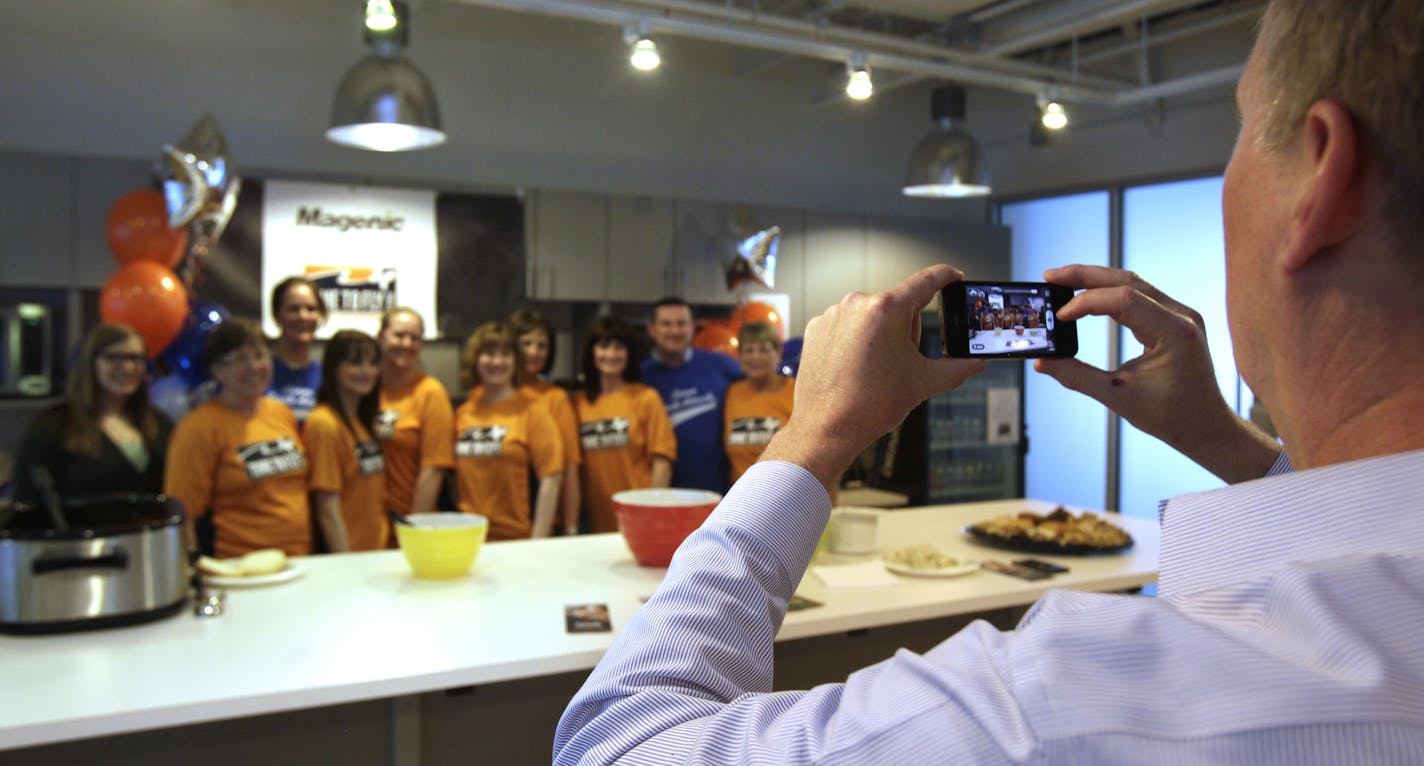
{"points": [[1014, 570], [797, 603], [587, 618]]}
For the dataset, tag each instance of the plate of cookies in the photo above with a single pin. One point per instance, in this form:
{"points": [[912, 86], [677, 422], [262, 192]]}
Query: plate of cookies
{"points": [[1060, 532]]}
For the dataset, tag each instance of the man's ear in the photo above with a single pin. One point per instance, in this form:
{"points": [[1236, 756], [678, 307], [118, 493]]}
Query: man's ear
{"points": [[1329, 207]]}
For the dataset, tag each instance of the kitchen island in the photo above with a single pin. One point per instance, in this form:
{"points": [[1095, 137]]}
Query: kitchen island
{"points": [[358, 629]]}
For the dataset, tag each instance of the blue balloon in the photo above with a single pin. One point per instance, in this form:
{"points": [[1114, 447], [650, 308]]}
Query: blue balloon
{"points": [[791, 356], [169, 395], [184, 355]]}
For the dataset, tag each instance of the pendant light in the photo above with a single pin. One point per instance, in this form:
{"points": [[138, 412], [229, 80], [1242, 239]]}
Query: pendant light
{"points": [[947, 162], [385, 103]]}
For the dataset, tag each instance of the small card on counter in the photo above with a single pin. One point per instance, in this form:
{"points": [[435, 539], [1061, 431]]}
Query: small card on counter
{"points": [[1014, 570], [797, 603], [587, 618]]}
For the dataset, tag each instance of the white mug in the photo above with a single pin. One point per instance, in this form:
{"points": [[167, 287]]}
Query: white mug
{"points": [[853, 531]]}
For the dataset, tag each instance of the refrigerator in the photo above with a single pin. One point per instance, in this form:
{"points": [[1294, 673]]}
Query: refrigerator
{"points": [[961, 446]]}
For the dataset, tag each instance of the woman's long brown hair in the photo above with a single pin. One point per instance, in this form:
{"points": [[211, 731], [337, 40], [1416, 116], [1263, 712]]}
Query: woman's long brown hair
{"points": [[81, 427]]}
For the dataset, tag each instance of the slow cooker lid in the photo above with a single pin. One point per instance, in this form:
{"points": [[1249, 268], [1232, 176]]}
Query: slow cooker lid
{"points": [[94, 515]]}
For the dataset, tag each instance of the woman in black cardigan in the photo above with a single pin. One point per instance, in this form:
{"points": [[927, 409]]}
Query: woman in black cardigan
{"points": [[104, 437]]}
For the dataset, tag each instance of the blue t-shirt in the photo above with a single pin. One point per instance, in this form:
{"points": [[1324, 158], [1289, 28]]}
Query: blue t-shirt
{"points": [[693, 393], [295, 386]]}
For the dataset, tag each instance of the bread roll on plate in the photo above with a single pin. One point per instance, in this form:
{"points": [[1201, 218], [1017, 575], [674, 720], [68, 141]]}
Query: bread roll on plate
{"points": [[255, 564], [263, 562]]}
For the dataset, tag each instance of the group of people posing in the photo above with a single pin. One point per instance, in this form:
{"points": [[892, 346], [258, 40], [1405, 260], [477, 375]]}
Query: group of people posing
{"points": [[307, 455]]}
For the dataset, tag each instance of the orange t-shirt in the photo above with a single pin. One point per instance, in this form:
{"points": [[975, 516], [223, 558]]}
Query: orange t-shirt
{"points": [[749, 419], [249, 471], [415, 430], [620, 433], [556, 401], [496, 446], [350, 465]]}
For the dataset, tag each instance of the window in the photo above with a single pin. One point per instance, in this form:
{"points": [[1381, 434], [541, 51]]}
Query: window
{"points": [[1067, 432]]}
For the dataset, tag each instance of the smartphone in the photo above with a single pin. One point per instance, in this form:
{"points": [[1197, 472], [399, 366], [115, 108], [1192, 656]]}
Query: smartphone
{"points": [[998, 320], [1042, 566], [1014, 570]]}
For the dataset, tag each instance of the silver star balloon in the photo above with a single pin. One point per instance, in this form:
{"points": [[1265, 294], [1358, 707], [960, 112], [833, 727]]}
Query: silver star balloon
{"points": [[200, 184], [754, 259]]}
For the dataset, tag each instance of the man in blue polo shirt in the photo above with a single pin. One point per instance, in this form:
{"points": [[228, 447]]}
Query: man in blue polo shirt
{"points": [[693, 384]]}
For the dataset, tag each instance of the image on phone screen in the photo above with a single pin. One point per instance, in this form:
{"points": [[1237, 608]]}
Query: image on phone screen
{"points": [[1006, 319]]}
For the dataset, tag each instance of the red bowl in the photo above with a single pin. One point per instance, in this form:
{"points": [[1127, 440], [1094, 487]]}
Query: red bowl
{"points": [[655, 521]]}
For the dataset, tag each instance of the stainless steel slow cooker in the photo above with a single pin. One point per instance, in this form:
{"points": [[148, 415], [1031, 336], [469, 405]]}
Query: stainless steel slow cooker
{"points": [[121, 561]]}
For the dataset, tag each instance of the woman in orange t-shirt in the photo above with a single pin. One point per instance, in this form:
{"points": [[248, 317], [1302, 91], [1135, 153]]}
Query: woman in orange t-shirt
{"points": [[239, 455], [627, 439], [348, 477], [536, 341], [759, 405], [415, 422], [501, 435]]}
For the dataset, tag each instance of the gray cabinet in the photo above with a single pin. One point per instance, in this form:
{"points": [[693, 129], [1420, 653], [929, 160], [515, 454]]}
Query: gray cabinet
{"points": [[834, 260], [567, 235], [37, 216], [640, 245], [898, 247]]}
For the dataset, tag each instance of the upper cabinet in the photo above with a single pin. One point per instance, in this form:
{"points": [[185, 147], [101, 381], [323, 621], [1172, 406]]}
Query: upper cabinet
{"points": [[567, 238], [640, 245], [596, 247]]}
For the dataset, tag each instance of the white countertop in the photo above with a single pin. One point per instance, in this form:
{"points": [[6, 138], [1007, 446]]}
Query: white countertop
{"points": [[1007, 341], [359, 626]]}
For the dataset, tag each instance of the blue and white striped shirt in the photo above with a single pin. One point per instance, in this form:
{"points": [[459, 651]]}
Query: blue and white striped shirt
{"points": [[1289, 629]]}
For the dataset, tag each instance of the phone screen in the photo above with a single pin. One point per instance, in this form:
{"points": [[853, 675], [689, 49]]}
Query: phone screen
{"points": [[1006, 319]]}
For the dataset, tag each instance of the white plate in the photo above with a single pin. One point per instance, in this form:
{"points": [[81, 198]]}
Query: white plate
{"points": [[292, 572], [966, 566]]}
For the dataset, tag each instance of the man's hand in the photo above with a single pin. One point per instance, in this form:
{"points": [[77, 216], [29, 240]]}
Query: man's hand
{"points": [[861, 374], [1169, 391]]}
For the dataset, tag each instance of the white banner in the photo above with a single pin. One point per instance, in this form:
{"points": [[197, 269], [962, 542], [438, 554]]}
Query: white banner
{"points": [[368, 249]]}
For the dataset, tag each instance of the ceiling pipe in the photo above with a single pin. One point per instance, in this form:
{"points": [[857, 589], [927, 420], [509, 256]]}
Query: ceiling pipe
{"points": [[978, 74], [871, 40], [1176, 33], [1090, 22]]}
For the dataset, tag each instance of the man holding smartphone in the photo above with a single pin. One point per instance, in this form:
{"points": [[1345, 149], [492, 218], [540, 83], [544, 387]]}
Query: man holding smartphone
{"points": [[1290, 608]]}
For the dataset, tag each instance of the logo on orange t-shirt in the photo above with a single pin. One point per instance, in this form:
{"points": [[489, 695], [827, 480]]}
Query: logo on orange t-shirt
{"points": [[386, 424], [271, 458], [752, 431], [485, 441], [611, 433]]}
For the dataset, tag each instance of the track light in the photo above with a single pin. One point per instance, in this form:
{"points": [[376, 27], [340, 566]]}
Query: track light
{"points": [[642, 51], [380, 15], [858, 84], [946, 163], [1050, 110], [644, 55], [385, 103]]}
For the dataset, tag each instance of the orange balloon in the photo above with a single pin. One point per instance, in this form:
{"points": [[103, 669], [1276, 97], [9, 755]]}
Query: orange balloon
{"points": [[138, 230], [757, 311], [148, 297], [717, 335]]}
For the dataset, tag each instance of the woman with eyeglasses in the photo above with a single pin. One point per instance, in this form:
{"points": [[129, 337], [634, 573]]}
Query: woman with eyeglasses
{"points": [[104, 437], [239, 457]]}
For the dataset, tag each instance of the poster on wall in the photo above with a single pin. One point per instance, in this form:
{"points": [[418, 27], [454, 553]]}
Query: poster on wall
{"points": [[367, 248]]}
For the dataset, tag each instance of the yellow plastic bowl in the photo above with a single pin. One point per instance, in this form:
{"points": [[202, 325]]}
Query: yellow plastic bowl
{"points": [[442, 546]]}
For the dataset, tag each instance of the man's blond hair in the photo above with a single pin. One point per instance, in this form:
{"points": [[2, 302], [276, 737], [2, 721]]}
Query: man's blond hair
{"points": [[1368, 56]]}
